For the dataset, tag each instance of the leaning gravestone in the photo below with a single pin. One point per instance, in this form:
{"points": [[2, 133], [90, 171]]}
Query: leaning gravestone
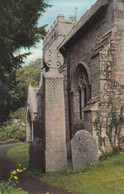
{"points": [[35, 154], [84, 150]]}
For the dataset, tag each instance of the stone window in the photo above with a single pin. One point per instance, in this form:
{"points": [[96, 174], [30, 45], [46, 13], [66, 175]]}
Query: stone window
{"points": [[81, 93]]}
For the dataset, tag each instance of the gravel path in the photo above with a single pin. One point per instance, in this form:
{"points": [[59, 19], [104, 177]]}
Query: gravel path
{"points": [[26, 182]]}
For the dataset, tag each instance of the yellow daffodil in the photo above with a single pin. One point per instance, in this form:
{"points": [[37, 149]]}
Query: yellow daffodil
{"points": [[19, 164], [13, 172], [24, 168], [15, 177], [18, 170], [11, 176]]}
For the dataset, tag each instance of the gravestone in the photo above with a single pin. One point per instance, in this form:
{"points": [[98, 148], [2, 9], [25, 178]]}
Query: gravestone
{"points": [[35, 154], [84, 150]]}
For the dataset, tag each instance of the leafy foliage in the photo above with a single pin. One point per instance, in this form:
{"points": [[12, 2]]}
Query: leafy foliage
{"points": [[19, 114], [9, 186], [18, 29], [114, 126], [114, 123], [23, 32], [8, 96], [11, 130], [5, 188], [25, 76]]}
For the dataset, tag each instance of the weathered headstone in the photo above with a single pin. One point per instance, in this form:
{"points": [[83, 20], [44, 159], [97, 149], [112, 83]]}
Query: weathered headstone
{"points": [[84, 150], [35, 154]]}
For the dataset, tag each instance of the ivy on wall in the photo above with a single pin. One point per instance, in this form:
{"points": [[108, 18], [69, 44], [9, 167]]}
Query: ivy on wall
{"points": [[109, 121]]}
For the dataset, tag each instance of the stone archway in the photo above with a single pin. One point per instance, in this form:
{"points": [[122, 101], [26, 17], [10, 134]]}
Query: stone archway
{"points": [[81, 93]]}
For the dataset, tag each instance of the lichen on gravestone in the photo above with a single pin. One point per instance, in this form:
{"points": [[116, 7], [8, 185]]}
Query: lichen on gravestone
{"points": [[84, 150]]}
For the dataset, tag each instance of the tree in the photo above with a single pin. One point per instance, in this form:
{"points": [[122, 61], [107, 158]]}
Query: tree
{"points": [[26, 75], [18, 29]]}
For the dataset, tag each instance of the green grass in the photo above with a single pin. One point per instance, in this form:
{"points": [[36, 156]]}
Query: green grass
{"points": [[10, 190], [106, 178], [19, 154]]}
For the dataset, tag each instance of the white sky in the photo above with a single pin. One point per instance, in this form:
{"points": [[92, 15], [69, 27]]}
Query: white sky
{"points": [[66, 7]]}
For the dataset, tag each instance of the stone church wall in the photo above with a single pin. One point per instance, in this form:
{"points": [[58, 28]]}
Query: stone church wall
{"points": [[83, 49], [112, 80], [83, 52], [97, 48]]}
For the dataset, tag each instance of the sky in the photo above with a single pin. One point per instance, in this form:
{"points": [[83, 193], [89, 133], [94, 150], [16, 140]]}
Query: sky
{"points": [[65, 7]]}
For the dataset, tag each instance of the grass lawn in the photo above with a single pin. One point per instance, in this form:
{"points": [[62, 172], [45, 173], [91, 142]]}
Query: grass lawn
{"points": [[10, 190], [106, 178]]}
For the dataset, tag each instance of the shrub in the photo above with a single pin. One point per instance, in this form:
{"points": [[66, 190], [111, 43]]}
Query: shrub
{"points": [[11, 130], [9, 141], [19, 114]]}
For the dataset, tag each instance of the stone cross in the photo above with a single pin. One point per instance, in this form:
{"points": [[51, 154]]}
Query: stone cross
{"points": [[53, 58]]}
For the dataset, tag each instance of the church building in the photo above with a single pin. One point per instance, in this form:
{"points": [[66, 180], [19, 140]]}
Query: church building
{"points": [[89, 56]]}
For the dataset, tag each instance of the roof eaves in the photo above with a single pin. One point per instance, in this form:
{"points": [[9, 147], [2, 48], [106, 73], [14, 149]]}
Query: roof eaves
{"points": [[95, 8]]}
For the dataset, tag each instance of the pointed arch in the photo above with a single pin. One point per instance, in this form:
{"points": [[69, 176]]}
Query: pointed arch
{"points": [[81, 89], [81, 67]]}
